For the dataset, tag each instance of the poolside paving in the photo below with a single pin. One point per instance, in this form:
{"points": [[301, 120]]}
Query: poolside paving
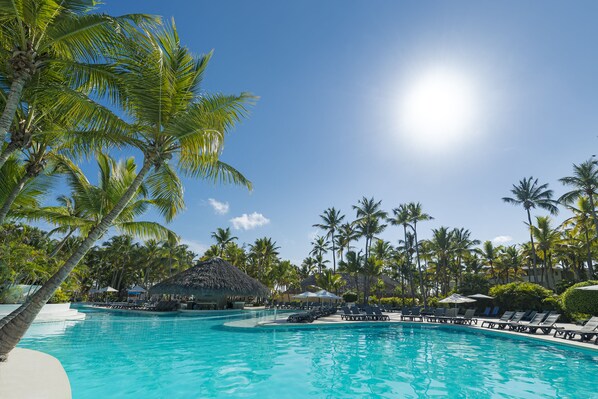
{"points": [[395, 318]]}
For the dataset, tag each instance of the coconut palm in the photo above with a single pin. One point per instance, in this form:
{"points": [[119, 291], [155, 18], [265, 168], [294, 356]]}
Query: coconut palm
{"points": [[346, 235], [530, 194], [462, 244], [581, 224], [547, 239], [489, 253], [330, 281], [171, 121], [416, 214], [585, 184], [353, 265], [223, 237], [331, 221], [264, 252], [38, 37]]}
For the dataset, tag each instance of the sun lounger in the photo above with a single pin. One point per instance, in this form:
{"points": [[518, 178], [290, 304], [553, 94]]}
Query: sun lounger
{"points": [[438, 312], [449, 315], [504, 318], [546, 326], [501, 325], [519, 326], [467, 318], [586, 332], [381, 316], [413, 314]]}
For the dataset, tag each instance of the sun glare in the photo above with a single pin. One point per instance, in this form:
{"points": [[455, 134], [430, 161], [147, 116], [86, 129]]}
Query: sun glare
{"points": [[438, 109]]}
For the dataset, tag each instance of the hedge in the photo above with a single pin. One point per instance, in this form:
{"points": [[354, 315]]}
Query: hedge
{"points": [[581, 301], [522, 296]]}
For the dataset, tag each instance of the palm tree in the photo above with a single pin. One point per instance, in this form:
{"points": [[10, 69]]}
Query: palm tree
{"points": [[223, 237], [585, 184], [308, 267], [530, 194], [171, 121], [330, 281], [489, 253], [547, 238], [582, 224], [320, 247], [331, 219], [353, 265], [40, 37], [416, 214], [265, 252], [346, 235], [368, 225], [462, 244]]}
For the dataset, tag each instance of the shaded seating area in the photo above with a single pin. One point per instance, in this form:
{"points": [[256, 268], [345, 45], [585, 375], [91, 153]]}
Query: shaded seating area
{"points": [[586, 332]]}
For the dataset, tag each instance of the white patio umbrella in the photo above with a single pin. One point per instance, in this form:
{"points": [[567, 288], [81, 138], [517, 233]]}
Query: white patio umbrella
{"points": [[456, 298], [327, 295], [480, 296], [305, 295], [107, 289], [588, 288]]}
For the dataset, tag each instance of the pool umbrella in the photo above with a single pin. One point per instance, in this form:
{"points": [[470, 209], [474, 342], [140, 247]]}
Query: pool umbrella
{"points": [[306, 294], [588, 288], [456, 298], [107, 289], [480, 296], [327, 295], [136, 290]]}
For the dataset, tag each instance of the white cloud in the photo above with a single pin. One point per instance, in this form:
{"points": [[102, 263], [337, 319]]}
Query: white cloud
{"points": [[195, 246], [249, 222], [502, 239], [221, 208]]}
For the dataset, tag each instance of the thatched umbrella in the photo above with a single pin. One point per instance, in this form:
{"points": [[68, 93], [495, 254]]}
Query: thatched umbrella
{"points": [[213, 280]]}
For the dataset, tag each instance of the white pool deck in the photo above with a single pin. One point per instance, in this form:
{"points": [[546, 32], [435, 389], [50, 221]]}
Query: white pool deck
{"points": [[30, 374], [269, 322]]}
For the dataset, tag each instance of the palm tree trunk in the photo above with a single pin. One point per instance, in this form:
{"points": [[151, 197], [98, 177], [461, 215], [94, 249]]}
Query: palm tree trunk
{"points": [[419, 267], [531, 237], [595, 217], [333, 254], [15, 325], [12, 102], [12, 197], [590, 264], [61, 243]]}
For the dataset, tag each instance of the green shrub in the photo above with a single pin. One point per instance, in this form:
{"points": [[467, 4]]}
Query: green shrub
{"points": [[563, 285], [397, 301], [520, 296], [473, 284], [580, 301], [350, 296], [60, 296]]}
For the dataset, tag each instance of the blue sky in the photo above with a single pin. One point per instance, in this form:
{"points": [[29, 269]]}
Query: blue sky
{"points": [[333, 77]]}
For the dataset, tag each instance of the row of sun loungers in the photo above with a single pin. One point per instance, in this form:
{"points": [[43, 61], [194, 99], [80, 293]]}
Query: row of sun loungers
{"points": [[513, 321], [586, 332], [311, 315], [369, 314]]}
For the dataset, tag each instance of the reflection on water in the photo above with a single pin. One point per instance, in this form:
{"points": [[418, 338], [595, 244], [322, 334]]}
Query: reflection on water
{"points": [[155, 357]]}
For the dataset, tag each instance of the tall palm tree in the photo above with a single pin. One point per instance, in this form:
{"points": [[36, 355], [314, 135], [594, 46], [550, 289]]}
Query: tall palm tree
{"points": [[416, 214], [368, 222], [48, 36], [265, 253], [223, 237], [489, 253], [346, 235], [171, 122], [585, 184], [331, 221], [353, 265], [582, 224], [319, 248], [547, 239], [531, 194]]}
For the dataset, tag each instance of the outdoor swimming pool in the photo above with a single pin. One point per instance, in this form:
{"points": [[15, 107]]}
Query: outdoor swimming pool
{"points": [[123, 356]]}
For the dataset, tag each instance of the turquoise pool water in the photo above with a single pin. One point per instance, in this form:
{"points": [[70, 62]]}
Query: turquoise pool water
{"points": [[123, 356]]}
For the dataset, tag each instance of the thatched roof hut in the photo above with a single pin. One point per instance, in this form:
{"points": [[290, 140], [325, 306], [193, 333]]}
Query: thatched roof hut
{"points": [[214, 280]]}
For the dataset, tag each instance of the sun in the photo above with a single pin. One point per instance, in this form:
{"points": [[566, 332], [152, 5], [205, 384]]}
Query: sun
{"points": [[438, 109]]}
